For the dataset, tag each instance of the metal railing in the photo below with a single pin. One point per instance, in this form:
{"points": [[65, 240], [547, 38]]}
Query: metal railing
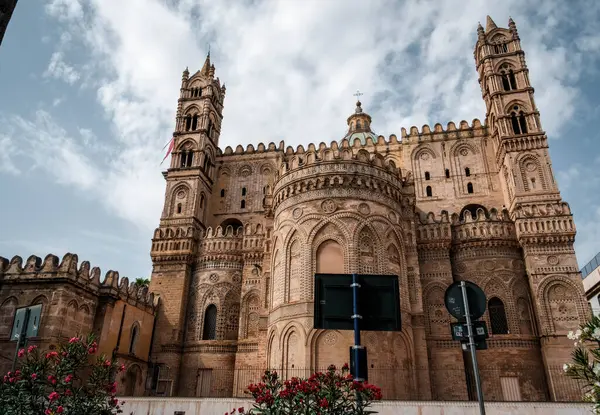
{"points": [[448, 383]]}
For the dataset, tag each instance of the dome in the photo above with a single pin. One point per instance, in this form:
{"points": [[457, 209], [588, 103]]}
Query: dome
{"points": [[359, 126]]}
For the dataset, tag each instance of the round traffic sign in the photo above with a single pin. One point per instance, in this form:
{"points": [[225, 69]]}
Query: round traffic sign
{"points": [[455, 304]]}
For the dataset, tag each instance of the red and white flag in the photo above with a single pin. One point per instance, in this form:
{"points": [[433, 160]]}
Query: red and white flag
{"points": [[170, 144]]}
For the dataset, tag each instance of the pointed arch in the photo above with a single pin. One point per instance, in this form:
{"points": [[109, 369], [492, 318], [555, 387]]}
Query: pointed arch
{"points": [[497, 314], [209, 329], [294, 269], [250, 314], [532, 174], [273, 355], [367, 245], [564, 304], [179, 196], [134, 334], [7, 312], [435, 310]]}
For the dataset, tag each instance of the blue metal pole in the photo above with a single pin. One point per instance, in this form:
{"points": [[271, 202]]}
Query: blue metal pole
{"points": [[356, 317]]}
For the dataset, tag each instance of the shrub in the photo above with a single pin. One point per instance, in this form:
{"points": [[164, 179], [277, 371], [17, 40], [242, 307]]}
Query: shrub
{"points": [[68, 381], [586, 360], [331, 392]]}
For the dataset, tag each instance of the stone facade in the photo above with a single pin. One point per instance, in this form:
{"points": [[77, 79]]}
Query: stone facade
{"points": [[76, 302], [244, 230]]}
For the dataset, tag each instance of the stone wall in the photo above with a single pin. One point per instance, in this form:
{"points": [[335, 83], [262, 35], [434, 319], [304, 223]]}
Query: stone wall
{"points": [[177, 406]]}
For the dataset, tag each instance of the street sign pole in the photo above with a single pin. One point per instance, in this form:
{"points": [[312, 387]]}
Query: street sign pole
{"points": [[22, 339], [356, 319], [463, 288]]}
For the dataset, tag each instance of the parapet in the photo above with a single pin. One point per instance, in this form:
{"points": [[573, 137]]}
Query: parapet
{"points": [[438, 132], [83, 276]]}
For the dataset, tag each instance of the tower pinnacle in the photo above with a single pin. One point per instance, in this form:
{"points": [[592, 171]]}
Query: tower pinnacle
{"points": [[490, 25]]}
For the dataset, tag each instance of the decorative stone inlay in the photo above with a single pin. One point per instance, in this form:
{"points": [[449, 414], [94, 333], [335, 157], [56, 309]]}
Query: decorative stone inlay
{"points": [[245, 171], [464, 152], [213, 278], [328, 206], [531, 166], [392, 217], [460, 267], [297, 213], [425, 156], [489, 265], [552, 260], [364, 209], [181, 194], [330, 339], [236, 278]]}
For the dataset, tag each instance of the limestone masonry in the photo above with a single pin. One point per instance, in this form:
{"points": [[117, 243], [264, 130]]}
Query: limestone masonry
{"points": [[243, 232]]}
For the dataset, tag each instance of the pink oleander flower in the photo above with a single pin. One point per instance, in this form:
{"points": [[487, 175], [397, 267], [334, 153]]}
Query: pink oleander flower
{"points": [[68, 378], [53, 396], [73, 339], [60, 409], [34, 376], [31, 348], [21, 353], [51, 355], [52, 379]]}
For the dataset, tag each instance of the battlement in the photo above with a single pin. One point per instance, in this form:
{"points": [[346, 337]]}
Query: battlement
{"points": [[51, 268], [464, 130]]}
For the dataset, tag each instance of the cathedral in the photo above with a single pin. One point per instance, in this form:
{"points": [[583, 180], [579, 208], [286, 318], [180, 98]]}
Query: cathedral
{"points": [[244, 230]]}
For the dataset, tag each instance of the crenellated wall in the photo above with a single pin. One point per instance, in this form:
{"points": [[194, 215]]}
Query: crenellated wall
{"points": [[77, 301]]}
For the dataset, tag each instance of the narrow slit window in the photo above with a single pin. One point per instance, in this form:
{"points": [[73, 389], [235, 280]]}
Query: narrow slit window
{"points": [[243, 204], [428, 191], [505, 81], [515, 123], [447, 173], [188, 122], [512, 79], [469, 187], [467, 171], [243, 191], [497, 314], [533, 182], [194, 122], [222, 192], [209, 331], [522, 122], [427, 175], [178, 207]]}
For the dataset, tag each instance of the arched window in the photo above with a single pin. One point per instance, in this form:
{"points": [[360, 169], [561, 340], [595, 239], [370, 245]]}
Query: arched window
{"points": [[194, 122], [427, 175], [209, 331], [497, 316], [511, 78], [330, 258], [222, 192], [447, 173], [201, 201], [505, 81], [210, 128], [469, 187], [135, 333], [178, 207], [188, 123], [518, 121], [243, 191], [428, 191], [187, 157], [467, 171], [533, 182], [357, 123], [243, 204], [207, 163]]}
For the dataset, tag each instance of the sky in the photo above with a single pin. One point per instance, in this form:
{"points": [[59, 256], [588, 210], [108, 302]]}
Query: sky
{"points": [[88, 94]]}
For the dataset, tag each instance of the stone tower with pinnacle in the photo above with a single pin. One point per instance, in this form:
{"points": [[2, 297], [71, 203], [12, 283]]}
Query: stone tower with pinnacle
{"points": [[543, 221], [190, 179]]}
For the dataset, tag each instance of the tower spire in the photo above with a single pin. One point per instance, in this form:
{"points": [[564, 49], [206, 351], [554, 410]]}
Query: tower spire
{"points": [[206, 67], [490, 25]]}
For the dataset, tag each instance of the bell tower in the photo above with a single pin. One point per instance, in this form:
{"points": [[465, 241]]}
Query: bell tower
{"points": [[189, 186], [544, 223]]}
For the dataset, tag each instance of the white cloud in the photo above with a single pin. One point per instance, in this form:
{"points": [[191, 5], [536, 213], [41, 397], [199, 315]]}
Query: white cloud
{"points": [[291, 70], [51, 149], [7, 153], [59, 69]]}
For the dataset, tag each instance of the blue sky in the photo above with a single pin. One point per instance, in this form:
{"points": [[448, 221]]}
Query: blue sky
{"points": [[88, 93]]}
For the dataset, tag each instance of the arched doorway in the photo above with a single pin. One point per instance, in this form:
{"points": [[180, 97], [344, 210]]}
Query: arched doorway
{"points": [[132, 378]]}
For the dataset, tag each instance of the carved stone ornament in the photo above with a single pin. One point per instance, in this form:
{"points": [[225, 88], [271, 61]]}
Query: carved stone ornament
{"points": [[328, 206], [464, 152], [392, 217], [460, 267], [531, 166], [213, 278], [181, 194], [297, 213], [489, 265], [236, 278], [552, 260], [330, 339], [425, 156], [364, 209], [245, 171]]}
